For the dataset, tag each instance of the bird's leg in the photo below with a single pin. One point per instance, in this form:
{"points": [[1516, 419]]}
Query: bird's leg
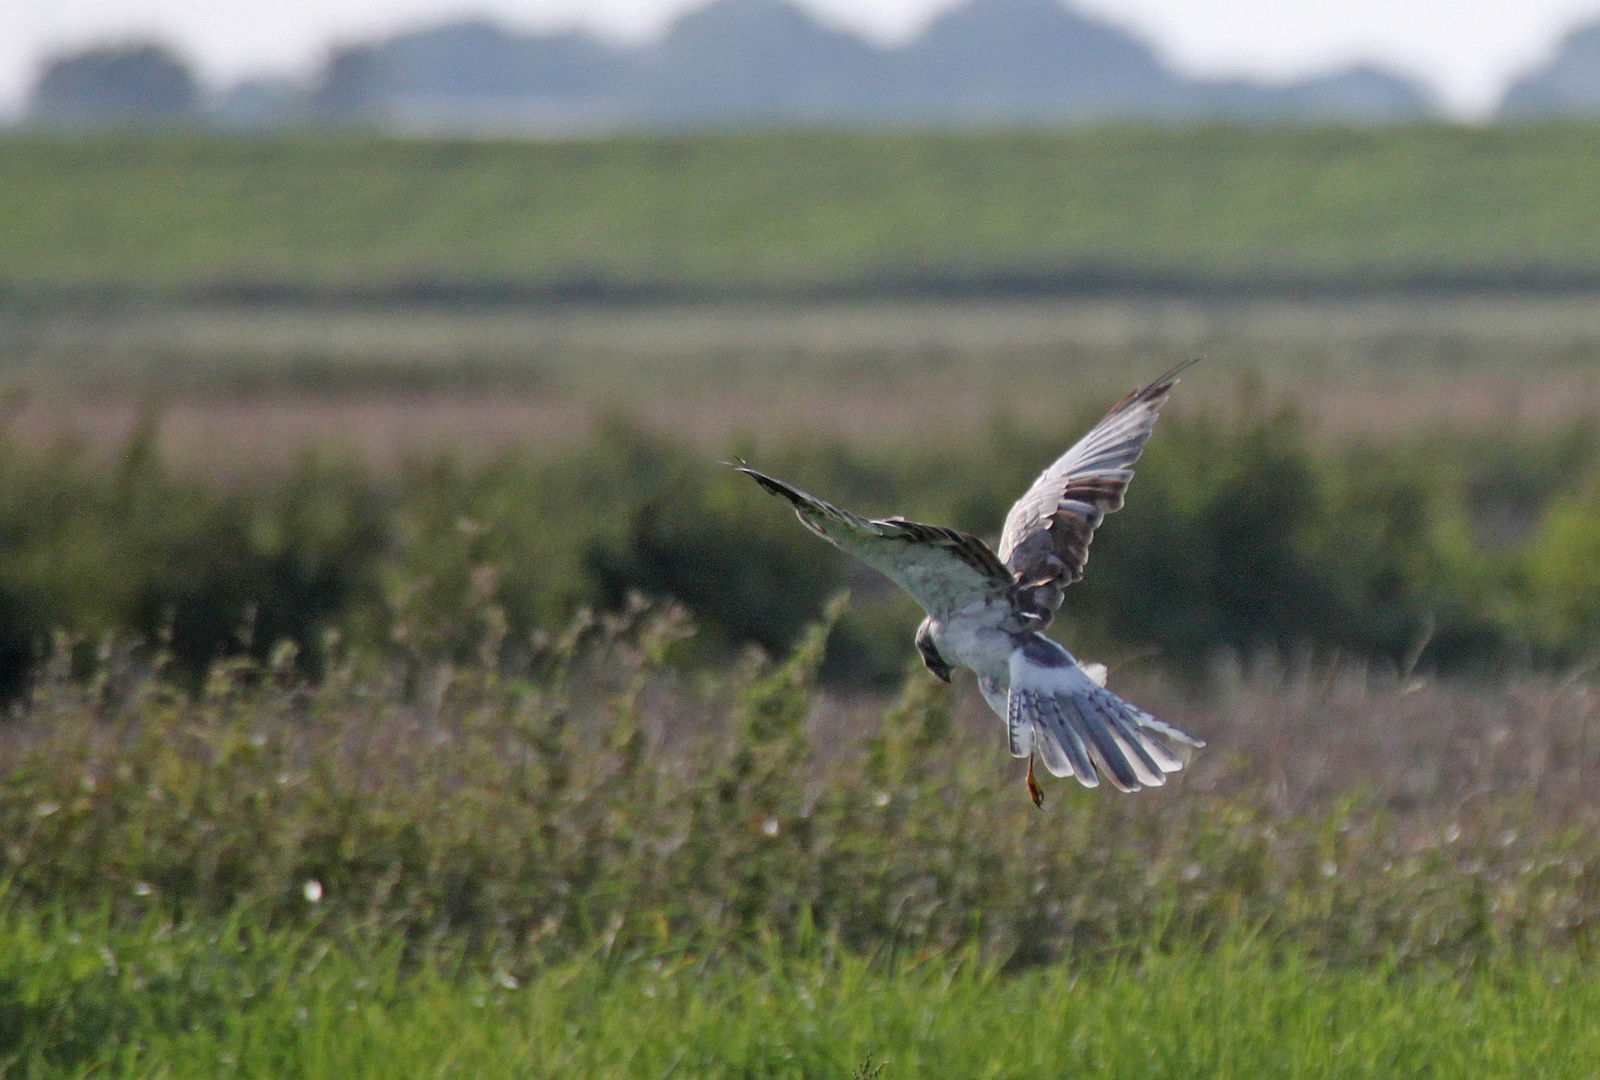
{"points": [[1035, 792]]}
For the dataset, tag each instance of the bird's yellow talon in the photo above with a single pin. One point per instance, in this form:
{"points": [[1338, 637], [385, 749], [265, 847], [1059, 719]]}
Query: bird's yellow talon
{"points": [[1035, 792]]}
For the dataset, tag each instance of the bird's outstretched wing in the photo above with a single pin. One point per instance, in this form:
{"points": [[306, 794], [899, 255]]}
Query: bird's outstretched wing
{"points": [[1046, 538], [1079, 728], [943, 570]]}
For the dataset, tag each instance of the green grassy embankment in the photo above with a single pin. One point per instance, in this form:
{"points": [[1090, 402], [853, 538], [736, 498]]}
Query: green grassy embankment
{"points": [[323, 218]]}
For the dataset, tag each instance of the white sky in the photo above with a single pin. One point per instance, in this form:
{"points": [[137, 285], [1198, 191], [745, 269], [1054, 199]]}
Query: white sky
{"points": [[1466, 49]]}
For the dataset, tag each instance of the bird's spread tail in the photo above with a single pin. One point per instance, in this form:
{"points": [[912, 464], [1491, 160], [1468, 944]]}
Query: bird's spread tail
{"points": [[1080, 729]]}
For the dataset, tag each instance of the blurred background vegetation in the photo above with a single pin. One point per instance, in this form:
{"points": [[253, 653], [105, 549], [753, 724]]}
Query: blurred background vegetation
{"points": [[370, 570], [273, 389], [1200, 209], [394, 675], [1468, 552]]}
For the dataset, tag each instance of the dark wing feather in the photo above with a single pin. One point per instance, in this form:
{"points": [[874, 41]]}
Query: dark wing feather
{"points": [[1046, 538], [943, 570]]}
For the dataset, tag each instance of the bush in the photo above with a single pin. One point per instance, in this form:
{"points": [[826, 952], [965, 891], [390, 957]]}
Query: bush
{"points": [[1238, 535]]}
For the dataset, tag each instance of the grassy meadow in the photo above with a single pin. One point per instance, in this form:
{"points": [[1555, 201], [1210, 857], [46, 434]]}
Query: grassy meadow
{"points": [[1182, 208], [394, 682]]}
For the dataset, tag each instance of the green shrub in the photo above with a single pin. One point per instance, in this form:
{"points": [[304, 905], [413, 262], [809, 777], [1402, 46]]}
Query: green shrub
{"points": [[1239, 535]]}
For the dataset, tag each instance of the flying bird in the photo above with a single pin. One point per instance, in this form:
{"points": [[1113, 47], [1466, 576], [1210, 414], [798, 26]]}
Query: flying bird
{"points": [[987, 609]]}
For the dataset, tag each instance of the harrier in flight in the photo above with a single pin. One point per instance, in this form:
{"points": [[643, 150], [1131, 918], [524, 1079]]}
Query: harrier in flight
{"points": [[987, 610]]}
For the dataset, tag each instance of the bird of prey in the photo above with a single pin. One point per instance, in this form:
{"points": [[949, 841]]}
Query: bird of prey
{"points": [[986, 609]]}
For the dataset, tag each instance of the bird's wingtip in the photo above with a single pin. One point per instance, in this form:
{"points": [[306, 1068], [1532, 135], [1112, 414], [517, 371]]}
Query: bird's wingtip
{"points": [[771, 484], [1170, 379]]}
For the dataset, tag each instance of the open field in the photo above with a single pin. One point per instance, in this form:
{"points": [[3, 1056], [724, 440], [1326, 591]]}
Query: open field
{"points": [[239, 390], [1183, 209], [397, 296]]}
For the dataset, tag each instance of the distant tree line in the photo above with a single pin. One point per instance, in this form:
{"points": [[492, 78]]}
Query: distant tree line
{"points": [[756, 62], [130, 83]]}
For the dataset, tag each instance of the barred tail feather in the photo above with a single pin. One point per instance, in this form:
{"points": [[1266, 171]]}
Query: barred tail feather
{"points": [[1145, 720], [1083, 730], [1062, 748], [1020, 728]]}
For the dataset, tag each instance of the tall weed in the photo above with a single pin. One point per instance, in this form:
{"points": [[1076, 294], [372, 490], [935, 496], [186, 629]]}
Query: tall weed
{"points": [[579, 793]]}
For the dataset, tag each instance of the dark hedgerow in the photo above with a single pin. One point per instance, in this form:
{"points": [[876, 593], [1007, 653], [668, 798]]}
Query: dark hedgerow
{"points": [[1238, 535]]}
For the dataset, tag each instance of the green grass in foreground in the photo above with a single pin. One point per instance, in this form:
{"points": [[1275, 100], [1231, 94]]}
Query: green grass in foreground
{"points": [[78, 998], [781, 210]]}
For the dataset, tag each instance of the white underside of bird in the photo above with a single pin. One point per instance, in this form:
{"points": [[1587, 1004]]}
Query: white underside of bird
{"points": [[986, 609]]}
